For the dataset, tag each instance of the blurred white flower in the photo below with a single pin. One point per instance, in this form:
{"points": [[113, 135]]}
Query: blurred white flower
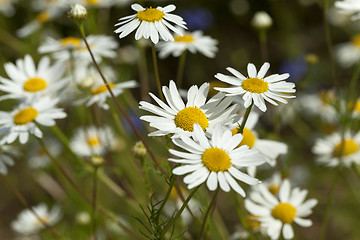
{"points": [[7, 7], [27, 81], [348, 54], [21, 121], [191, 41], [351, 7], [93, 141], [328, 150], [6, 157], [27, 223]]}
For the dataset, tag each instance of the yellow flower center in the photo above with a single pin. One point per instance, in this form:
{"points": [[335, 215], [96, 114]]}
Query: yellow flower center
{"points": [[273, 189], [356, 40], [35, 84], [187, 117], [285, 212], [248, 138], [255, 85], [101, 89], [25, 116], [252, 222], [42, 221], [327, 96], [70, 40], [348, 147], [92, 1], [150, 15], [357, 106], [94, 141], [216, 159], [42, 17], [186, 38]]}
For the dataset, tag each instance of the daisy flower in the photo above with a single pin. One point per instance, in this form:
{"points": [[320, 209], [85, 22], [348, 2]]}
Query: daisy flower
{"points": [[152, 22], [348, 54], [193, 42], [27, 223], [269, 149], [21, 121], [216, 160], [176, 117], [26, 80], [64, 49], [257, 89], [276, 213], [328, 150], [100, 93], [37, 157], [322, 104], [6, 157], [93, 141], [7, 8], [356, 109], [351, 7]]}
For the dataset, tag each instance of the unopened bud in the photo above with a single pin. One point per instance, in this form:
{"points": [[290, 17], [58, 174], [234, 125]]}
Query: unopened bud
{"points": [[96, 161], [139, 150], [261, 20], [78, 12]]}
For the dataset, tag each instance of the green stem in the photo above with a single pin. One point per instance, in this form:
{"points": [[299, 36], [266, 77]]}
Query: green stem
{"points": [[329, 43], [94, 193], [263, 45], [239, 206], [330, 198], [356, 169], [171, 186], [246, 116], [156, 71], [173, 220], [82, 194], [122, 110], [207, 213], [180, 71]]}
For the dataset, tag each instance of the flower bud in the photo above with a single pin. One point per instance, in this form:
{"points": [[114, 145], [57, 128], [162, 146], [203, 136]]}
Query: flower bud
{"points": [[78, 12], [139, 150], [261, 20]]}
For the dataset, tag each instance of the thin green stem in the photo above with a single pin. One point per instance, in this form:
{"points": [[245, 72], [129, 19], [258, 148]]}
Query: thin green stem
{"points": [[82, 194], [329, 44], [173, 220], [156, 71], [25, 203], [171, 186], [242, 219], [246, 116], [94, 195], [122, 110], [263, 45], [330, 198], [180, 70], [356, 169], [207, 213]]}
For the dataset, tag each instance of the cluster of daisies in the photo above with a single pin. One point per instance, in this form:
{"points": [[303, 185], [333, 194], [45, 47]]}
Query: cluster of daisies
{"points": [[214, 137]]}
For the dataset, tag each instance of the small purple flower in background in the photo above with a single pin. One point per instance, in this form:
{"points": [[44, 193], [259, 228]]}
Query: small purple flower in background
{"points": [[296, 67], [197, 18]]}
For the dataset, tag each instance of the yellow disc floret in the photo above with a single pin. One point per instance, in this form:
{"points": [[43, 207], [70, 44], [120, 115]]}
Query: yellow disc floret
{"points": [[356, 40], [252, 222], [93, 141], [285, 212], [216, 160], [255, 85], [92, 1], [70, 40], [34, 84], [150, 15], [25, 116], [42, 17], [101, 89], [186, 38], [347, 147], [187, 117], [41, 220], [274, 189], [248, 138]]}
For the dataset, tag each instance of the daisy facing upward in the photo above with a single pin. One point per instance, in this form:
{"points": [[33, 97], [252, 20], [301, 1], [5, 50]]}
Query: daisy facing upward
{"points": [[216, 161], [256, 88], [177, 117], [152, 22]]}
